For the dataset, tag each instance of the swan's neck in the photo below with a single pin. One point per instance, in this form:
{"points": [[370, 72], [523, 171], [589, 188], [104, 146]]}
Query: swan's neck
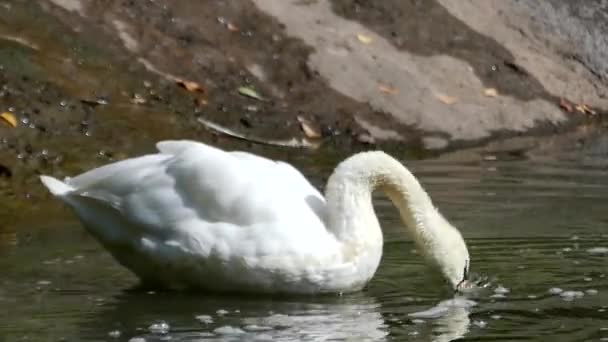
{"points": [[349, 196], [352, 218]]}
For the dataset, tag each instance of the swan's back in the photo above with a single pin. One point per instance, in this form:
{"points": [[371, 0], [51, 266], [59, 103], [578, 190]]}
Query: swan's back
{"points": [[218, 186], [196, 208]]}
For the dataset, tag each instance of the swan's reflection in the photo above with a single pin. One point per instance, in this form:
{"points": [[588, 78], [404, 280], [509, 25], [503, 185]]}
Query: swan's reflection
{"points": [[451, 318], [354, 317]]}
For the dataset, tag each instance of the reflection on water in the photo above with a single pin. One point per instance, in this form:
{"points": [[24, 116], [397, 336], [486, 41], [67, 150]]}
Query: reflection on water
{"points": [[538, 231]]}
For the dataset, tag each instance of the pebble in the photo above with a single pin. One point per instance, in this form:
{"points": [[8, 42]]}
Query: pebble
{"points": [[591, 292]]}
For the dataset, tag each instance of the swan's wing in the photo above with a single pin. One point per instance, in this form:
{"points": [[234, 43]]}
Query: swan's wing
{"points": [[191, 181]]}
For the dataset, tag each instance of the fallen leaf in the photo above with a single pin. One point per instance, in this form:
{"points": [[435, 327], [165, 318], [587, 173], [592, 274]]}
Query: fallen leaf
{"points": [[9, 118], [308, 129], [364, 39], [567, 106], [583, 108], [589, 110], [446, 98], [249, 92], [490, 92], [387, 89], [190, 85], [231, 27]]}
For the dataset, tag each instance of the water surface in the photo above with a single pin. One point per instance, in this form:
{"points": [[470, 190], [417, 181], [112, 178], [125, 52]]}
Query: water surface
{"points": [[536, 229]]}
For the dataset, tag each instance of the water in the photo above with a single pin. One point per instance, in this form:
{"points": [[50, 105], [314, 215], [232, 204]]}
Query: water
{"points": [[536, 229]]}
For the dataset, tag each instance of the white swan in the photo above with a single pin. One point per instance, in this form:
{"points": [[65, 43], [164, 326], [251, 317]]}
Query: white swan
{"points": [[194, 216]]}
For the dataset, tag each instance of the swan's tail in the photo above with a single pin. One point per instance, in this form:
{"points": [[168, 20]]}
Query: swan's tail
{"points": [[55, 186], [97, 216]]}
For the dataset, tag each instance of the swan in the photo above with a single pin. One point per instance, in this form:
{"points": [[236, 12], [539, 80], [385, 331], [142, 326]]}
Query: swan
{"points": [[193, 216]]}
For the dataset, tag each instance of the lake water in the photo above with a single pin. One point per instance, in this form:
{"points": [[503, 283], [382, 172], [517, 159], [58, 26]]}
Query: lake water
{"points": [[537, 230]]}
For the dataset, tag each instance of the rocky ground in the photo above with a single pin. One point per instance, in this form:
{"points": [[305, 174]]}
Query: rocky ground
{"points": [[89, 81]]}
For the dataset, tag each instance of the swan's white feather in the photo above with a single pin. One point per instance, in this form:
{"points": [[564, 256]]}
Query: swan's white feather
{"points": [[227, 218], [196, 216]]}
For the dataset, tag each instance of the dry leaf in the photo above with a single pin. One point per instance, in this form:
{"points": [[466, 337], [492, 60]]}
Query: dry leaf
{"points": [[446, 99], [567, 106], [588, 110], [387, 89], [364, 39], [249, 92], [583, 108], [9, 118], [190, 86], [231, 27], [308, 129], [490, 92]]}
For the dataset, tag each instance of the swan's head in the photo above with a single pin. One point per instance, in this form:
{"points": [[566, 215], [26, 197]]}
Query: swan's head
{"points": [[447, 250]]}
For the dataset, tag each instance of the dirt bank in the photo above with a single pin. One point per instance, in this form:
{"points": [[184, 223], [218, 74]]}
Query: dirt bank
{"points": [[90, 81]]}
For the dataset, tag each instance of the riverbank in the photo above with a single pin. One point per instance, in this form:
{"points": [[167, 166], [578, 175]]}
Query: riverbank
{"points": [[89, 82]]}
